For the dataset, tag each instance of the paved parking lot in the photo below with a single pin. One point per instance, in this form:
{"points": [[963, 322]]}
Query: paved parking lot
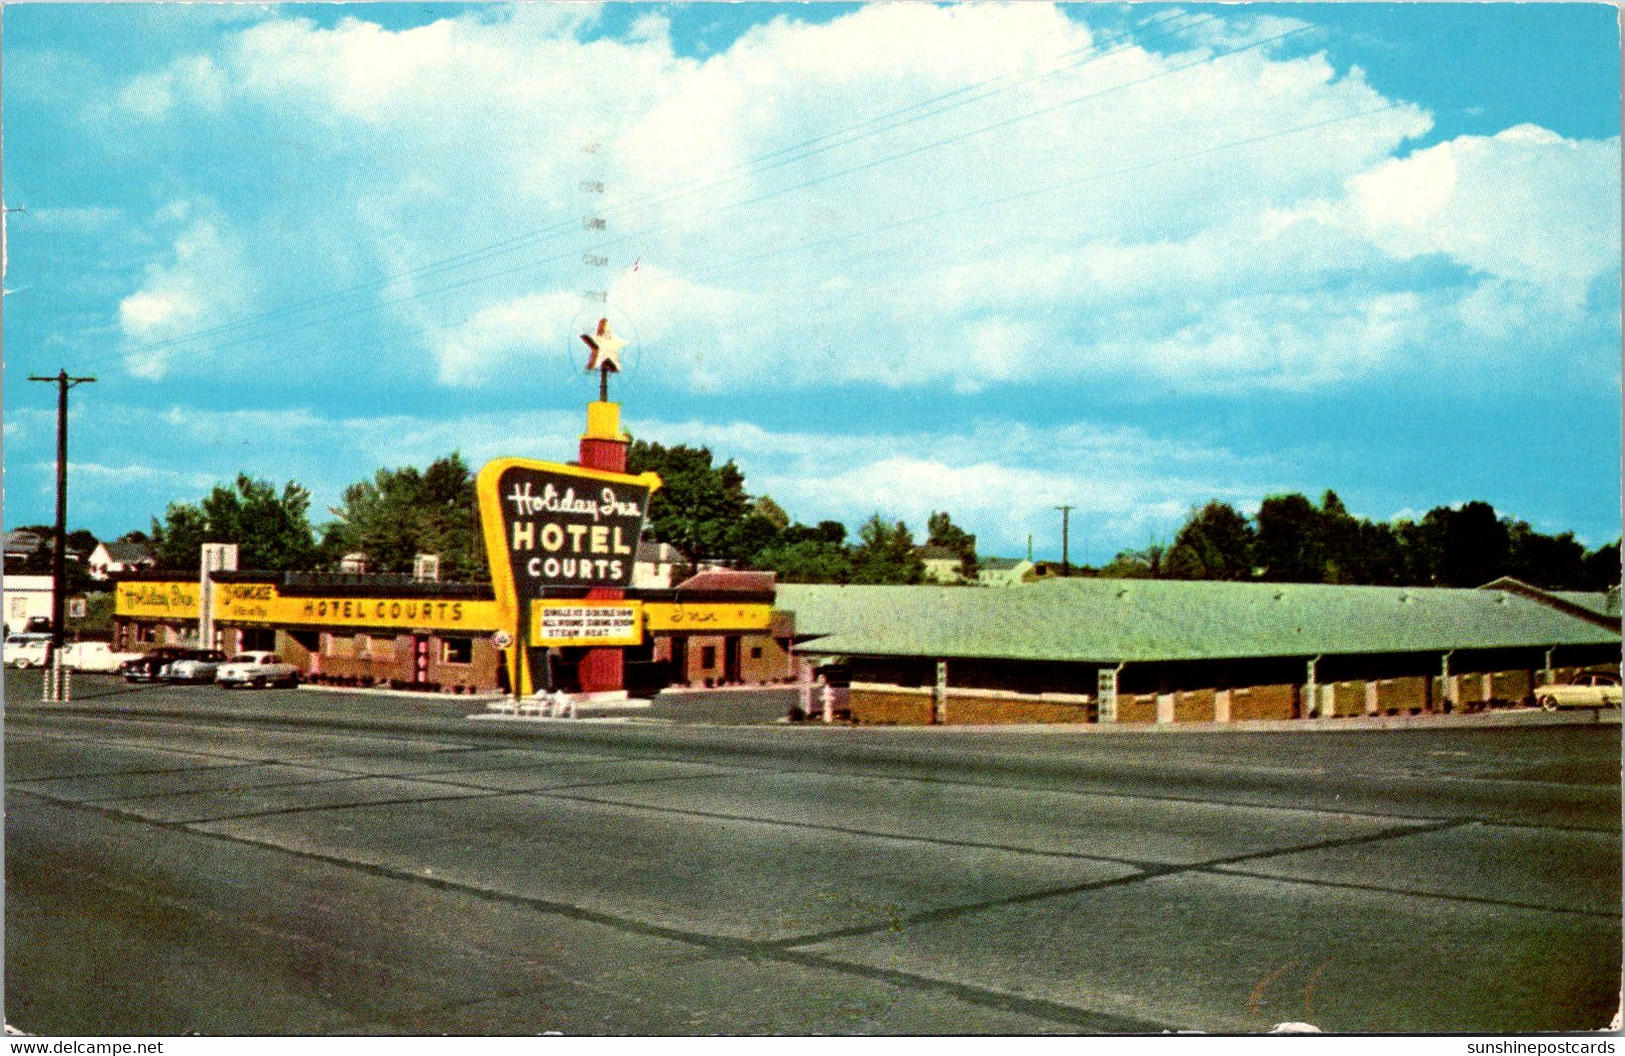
{"points": [[406, 871]]}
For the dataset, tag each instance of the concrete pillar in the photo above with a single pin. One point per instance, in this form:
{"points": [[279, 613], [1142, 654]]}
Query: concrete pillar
{"points": [[1371, 697], [1221, 705], [1165, 707], [1311, 692]]}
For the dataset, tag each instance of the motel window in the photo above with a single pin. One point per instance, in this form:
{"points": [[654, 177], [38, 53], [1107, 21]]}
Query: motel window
{"points": [[457, 650], [708, 657], [338, 645], [755, 652], [381, 648], [143, 632], [363, 646]]}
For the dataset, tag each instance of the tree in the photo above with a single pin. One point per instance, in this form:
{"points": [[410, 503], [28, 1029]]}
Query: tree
{"points": [[942, 531], [1137, 564], [1215, 543], [1289, 540], [806, 561], [272, 531], [1600, 570], [699, 508], [1554, 562], [1477, 547], [401, 513], [886, 554]]}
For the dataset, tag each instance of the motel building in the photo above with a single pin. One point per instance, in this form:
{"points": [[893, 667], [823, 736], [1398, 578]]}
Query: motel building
{"points": [[387, 631]]}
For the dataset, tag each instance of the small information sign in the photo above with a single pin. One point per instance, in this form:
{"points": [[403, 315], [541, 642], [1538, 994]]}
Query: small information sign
{"points": [[586, 623]]}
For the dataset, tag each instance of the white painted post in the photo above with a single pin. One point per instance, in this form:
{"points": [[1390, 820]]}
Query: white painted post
{"points": [[1311, 690], [939, 696], [1165, 708], [826, 694], [1221, 705], [1106, 693]]}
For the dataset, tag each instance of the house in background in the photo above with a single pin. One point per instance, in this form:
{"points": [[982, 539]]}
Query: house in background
{"points": [[111, 559], [942, 565], [21, 546], [656, 565], [26, 598], [1003, 571]]}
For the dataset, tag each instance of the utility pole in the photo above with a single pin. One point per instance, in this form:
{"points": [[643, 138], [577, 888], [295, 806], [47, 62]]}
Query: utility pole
{"points": [[59, 550], [1066, 514]]}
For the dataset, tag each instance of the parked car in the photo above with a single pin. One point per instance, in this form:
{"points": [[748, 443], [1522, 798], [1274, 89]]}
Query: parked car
{"points": [[94, 656], [26, 650], [257, 669], [1586, 691], [145, 667], [198, 665]]}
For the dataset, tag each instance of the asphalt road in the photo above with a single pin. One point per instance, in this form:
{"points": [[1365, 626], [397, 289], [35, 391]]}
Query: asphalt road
{"points": [[377, 868]]}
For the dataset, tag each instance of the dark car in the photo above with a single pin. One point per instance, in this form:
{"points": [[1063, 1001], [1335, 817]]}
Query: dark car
{"points": [[145, 667]]}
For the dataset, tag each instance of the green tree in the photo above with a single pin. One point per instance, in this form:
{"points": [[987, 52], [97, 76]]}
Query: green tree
{"points": [[807, 561], [272, 530], [1216, 542], [1554, 562], [942, 531], [1476, 548], [699, 508], [401, 513], [1289, 545], [885, 554], [1601, 570], [1137, 564]]}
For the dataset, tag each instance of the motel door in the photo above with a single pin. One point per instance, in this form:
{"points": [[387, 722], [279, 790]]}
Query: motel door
{"points": [[730, 658]]}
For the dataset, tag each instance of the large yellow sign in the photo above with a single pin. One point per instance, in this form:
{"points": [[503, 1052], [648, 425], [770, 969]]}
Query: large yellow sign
{"points": [[706, 616], [263, 603], [169, 600]]}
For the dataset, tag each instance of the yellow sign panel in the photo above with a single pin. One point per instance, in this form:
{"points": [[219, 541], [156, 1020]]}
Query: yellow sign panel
{"points": [[263, 603], [170, 600], [707, 616], [586, 623]]}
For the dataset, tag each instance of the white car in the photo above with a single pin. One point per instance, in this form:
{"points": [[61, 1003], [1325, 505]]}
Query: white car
{"points": [[257, 669], [26, 650], [198, 665], [93, 656]]}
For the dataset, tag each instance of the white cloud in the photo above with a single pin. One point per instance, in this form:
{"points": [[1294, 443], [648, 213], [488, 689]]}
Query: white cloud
{"points": [[1525, 205], [1146, 223], [202, 282]]}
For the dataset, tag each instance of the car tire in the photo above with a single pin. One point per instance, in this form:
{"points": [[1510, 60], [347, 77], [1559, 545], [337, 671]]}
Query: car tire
{"points": [[23, 665], [1547, 703], [259, 683]]}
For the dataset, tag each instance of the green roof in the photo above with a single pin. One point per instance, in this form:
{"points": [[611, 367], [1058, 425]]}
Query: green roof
{"points": [[1597, 601], [1118, 620]]}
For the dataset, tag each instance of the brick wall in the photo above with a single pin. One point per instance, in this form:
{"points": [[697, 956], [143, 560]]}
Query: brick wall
{"points": [[1263, 702], [1193, 705]]}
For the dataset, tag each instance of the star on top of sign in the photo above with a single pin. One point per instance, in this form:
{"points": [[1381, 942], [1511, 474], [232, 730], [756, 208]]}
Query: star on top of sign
{"points": [[606, 348]]}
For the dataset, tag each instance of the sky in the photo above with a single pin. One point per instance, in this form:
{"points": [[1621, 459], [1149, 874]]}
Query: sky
{"points": [[891, 258]]}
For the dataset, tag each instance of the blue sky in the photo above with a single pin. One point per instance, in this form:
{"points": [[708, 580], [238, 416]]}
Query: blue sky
{"points": [[894, 258]]}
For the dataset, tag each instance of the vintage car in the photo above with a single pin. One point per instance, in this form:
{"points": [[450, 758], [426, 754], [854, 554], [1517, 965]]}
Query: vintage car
{"points": [[94, 656], [198, 665], [145, 667], [26, 650], [1586, 691], [256, 669]]}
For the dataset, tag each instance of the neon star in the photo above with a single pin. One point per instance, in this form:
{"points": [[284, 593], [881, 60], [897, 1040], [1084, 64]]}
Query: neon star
{"points": [[606, 348]]}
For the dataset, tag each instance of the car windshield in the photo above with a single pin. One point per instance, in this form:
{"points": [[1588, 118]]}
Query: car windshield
{"points": [[245, 658]]}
